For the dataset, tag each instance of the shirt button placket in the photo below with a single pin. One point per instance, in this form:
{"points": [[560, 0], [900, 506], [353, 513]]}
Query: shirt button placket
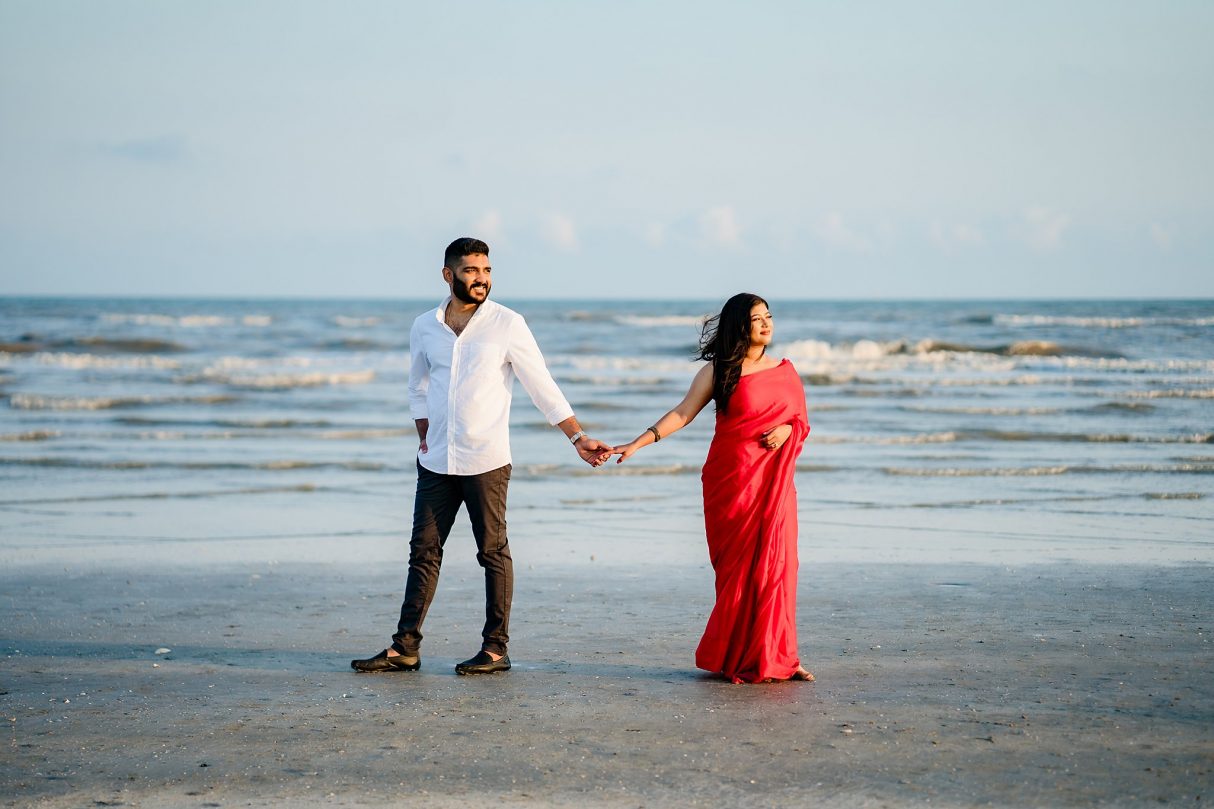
{"points": [[452, 466]]}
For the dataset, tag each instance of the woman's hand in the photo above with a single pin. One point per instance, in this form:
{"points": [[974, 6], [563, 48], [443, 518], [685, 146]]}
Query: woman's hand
{"points": [[625, 451], [775, 437]]}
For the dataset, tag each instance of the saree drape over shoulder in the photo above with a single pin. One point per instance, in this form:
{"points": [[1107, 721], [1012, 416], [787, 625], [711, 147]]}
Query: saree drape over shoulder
{"points": [[750, 516]]}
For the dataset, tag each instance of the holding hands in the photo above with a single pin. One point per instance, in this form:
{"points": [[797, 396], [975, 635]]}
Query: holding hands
{"points": [[593, 451]]}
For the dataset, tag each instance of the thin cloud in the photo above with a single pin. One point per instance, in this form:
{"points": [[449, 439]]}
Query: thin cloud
{"points": [[836, 233], [951, 238], [719, 226], [1042, 228], [488, 227], [1162, 235], [655, 234], [558, 230]]}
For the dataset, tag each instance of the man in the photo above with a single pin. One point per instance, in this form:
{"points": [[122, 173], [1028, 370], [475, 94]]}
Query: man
{"points": [[466, 354]]}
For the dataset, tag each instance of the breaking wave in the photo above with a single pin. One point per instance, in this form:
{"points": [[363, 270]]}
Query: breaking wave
{"points": [[347, 322], [890, 440], [598, 362], [30, 435], [874, 350], [29, 401], [824, 363], [1019, 436], [1045, 471], [246, 424], [275, 465], [186, 321], [656, 321], [241, 434], [615, 382], [1207, 393], [307, 488], [281, 381], [1139, 408], [1099, 322], [985, 411], [85, 361], [355, 344]]}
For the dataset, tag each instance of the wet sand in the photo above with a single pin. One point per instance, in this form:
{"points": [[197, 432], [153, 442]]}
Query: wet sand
{"points": [[958, 685]]}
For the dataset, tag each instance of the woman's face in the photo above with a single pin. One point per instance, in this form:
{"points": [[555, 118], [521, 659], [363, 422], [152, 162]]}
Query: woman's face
{"points": [[760, 325]]}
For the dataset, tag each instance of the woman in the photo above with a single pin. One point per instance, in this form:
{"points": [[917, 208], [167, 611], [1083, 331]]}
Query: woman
{"points": [[750, 503]]}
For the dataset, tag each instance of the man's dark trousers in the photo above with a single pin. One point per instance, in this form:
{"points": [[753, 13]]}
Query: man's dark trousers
{"points": [[438, 500]]}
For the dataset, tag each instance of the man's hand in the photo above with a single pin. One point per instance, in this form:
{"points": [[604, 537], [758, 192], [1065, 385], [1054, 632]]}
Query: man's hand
{"points": [[423, 427], [593, 451]]}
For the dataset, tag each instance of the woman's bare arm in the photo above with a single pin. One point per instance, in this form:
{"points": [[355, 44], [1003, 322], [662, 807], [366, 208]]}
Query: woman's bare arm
{"points": [[698, 395]]}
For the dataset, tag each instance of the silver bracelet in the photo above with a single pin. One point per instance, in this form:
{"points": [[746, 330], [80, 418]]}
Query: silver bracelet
{"points": [[578, 436]]}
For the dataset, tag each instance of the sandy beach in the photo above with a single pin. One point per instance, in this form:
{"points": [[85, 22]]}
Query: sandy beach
{"points": [[956, 685]]}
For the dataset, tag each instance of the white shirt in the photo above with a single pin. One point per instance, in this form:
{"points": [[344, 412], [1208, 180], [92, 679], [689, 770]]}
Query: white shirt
{"points": [[464, 385]]}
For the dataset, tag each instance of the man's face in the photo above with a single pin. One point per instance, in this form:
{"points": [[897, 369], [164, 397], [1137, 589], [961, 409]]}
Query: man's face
{"points": [[469, 279]]}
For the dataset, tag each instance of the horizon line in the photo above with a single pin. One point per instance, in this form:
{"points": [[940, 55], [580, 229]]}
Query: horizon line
{"points": [[673, 299]]}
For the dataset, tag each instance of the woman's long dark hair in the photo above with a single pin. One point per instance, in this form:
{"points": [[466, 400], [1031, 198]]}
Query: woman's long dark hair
{"points": [[724, 342]]}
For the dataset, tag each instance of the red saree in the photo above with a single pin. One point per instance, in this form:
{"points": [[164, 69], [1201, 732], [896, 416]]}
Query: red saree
{"points": [[750, 516]]}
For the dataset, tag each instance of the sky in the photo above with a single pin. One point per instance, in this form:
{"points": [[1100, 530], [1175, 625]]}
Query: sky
{"points": [[620, 149]]}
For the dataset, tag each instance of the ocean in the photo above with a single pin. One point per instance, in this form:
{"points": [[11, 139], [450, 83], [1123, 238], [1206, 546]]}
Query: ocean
{"points": [[966, 429]]}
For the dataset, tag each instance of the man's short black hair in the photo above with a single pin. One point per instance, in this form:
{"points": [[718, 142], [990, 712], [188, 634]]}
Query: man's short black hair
{"points": [[463, 246]]}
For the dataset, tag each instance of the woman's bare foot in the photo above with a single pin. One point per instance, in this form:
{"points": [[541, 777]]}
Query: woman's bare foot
{"points": [[802, 674]]}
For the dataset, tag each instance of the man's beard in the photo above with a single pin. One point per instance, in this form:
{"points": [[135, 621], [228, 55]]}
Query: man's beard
{"points": [[464, 293]]}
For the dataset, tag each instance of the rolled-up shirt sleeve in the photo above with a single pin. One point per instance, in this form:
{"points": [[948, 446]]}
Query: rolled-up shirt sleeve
{"points": [[419, 375], [523, 354]]}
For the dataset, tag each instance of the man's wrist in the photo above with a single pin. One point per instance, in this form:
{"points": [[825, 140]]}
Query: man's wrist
{"points": [[576, 437]]}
